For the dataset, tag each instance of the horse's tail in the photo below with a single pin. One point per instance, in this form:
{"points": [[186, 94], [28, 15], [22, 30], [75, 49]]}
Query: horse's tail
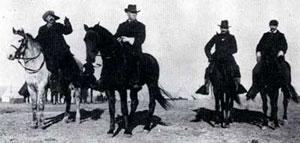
{"points": [[158, 95], [291, 93]]}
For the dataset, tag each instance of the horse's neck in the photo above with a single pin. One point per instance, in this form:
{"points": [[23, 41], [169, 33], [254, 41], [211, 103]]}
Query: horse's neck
{"points": [[33, 51]]}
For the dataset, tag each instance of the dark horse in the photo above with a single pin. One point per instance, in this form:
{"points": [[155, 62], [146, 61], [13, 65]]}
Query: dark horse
{"points": [[115, 66], [274, 75], [225, 91]]}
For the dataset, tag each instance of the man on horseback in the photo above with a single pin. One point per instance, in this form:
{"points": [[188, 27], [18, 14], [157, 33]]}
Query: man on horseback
{"points": [[131, 34], [225, 45], [57, 52], [270, 49]]}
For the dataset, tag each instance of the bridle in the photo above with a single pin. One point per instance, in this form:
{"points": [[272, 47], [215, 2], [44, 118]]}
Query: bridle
{"points": [[19, 55]]}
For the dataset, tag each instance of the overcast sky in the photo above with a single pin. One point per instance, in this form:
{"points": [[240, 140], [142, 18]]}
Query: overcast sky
{"points": [[177, 31]]}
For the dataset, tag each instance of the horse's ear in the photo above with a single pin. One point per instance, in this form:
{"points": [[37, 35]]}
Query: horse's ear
{"points": [[86, 28], [98, 24], [14, 30]]}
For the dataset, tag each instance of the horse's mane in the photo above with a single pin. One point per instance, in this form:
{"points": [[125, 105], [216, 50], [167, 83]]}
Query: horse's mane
{"points": [[106, 34], [29, 36], [108, 39], [34, 41]]}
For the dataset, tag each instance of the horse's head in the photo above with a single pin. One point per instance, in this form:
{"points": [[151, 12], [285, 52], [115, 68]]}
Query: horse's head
{"points": [[98, 39], [20, 50], [92, 42]]}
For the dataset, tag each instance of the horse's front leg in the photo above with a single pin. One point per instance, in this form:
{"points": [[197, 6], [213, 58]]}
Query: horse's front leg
{"points": [[217, 107], [274, 107], [223, 110], [34, 98], [91, 91], [228, 108], [41, 106], [111, 105], [124, 110], [265, 108], [67, 94], [77, 101]]}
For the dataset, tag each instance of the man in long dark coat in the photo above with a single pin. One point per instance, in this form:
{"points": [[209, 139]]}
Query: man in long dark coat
{"points": [[225, 45], [271, 48], [57, 52], [132, 34]]}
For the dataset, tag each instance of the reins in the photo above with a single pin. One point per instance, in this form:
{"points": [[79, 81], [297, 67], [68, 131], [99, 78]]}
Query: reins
{"points": [[26, 60]]}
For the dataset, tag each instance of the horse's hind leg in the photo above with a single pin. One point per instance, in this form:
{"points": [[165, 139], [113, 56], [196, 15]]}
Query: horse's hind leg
{"points": [[153, 89], [134, 103], [111, 103], [77, 101], [285, 104]]}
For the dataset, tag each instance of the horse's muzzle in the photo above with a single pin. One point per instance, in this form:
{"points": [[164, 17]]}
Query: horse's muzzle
{"points": [[11, 57]]}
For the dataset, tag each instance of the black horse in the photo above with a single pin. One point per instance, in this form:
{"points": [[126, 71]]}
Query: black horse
{"points": [[117, 71], [275, 74], [225, 90]]}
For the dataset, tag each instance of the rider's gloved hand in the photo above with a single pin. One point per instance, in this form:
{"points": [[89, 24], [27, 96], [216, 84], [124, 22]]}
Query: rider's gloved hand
{"points": [[280, 53], [258, 56], [67, 21]]}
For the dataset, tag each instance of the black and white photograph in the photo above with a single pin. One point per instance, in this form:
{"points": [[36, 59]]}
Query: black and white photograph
{"points": [[149, 71]]}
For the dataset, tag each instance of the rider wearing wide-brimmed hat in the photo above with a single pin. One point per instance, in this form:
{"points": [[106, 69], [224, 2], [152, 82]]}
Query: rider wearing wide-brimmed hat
{"points": [[57, 52], [225, 45], [132, 34]]}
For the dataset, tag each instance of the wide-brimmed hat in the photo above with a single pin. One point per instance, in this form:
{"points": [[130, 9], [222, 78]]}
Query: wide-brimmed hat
{"points": [[273, 22], [49, 12], [131, 8], [224, 24]]}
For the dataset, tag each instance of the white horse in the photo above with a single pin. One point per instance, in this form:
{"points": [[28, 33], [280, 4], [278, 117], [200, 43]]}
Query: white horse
{"points": [[31, 58]]}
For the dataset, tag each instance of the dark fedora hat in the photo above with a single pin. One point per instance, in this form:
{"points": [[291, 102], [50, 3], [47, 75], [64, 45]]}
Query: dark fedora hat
{"points": [[273, 22], [224, 24], [131, 8], [49, 12]]}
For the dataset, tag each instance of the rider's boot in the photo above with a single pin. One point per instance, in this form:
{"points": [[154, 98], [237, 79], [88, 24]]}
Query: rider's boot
{"points": [[204, 89], [251, 94], [240, 88]]}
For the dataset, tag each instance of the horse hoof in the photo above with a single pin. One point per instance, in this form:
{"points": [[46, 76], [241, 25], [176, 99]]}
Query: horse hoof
{"points": [[264, 127], [226, 126], [146, 131], [42, 126], [110, 132], [34, 125], [285, 122], [66, 119], [77, 120], [127, 134]]}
